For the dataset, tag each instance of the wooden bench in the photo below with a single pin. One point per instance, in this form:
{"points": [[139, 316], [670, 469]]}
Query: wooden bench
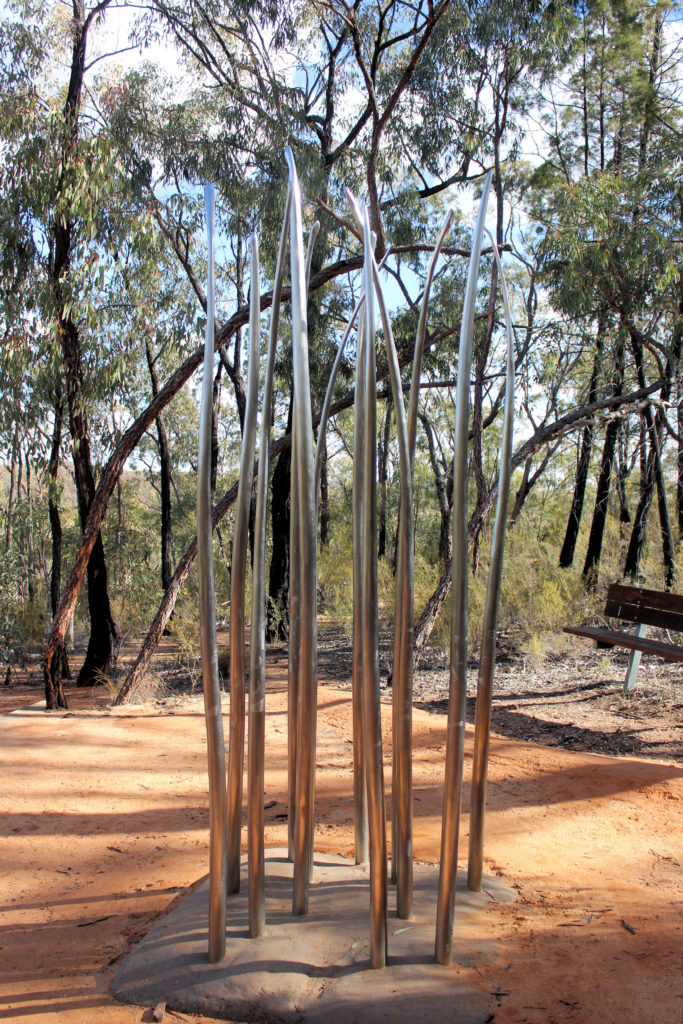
{"points": [[646, 608]]}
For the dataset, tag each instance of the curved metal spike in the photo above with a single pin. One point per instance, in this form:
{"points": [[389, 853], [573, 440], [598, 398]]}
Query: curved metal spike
{"points": [[303, 464], [360, 798], [482, 723], [257, 647], [240, 547], [372, 723], [455, 744], [207, 626]]}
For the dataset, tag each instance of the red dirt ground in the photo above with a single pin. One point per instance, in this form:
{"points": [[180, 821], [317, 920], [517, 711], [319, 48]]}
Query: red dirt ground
{"points": [[105, 823]]}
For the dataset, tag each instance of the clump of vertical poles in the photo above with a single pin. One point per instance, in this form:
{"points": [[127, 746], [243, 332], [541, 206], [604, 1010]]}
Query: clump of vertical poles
{"points": [[370, 823], [207, 620]]}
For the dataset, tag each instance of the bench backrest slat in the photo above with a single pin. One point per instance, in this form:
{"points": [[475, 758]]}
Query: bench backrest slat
{"points": [[651, 607]]}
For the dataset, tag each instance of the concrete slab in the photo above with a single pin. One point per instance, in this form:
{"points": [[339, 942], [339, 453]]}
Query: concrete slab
{"points": [[314, 969]]}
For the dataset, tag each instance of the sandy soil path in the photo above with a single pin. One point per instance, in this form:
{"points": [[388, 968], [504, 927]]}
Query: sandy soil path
{"points": [[104, 823]]}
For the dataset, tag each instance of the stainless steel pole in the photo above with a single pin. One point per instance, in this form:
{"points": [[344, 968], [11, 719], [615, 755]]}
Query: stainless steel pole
{"points": [[482, 722], [307, 688], [455, 743], [207, 624], [257, 647], [372, 722], [360, 799], [240, 546], [402, 795]]}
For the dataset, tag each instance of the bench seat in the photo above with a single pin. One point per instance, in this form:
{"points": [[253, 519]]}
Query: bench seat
{"points": [[616, 638]]}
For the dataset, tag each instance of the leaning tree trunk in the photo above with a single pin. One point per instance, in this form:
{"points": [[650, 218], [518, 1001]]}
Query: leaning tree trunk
{"points": [[56, 523], [164, 481]]}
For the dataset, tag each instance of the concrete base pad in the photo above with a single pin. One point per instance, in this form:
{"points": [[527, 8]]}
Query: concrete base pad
{"points": [[314, 969]]}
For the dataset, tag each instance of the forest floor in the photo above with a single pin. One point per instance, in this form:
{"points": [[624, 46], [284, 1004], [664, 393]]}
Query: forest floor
{"points": [[105, 822]]}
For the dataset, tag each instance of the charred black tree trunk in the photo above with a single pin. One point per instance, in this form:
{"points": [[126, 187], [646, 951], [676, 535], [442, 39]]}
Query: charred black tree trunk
{"points": [[277, 626], [324, 496], [637, 541], [102, 629], [654, 476], [583, 463], [382, 481], [164, 481], [56, 522], [592, 563]]}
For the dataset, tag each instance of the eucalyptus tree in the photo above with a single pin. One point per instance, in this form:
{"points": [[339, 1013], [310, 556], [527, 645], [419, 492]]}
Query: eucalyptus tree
{"points": [[611, 247]]}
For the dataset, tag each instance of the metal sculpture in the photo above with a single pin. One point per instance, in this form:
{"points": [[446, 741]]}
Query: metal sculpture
{"points": [[306, 458], [487, 655], [218, 856], [455, 742], [303, 482]]}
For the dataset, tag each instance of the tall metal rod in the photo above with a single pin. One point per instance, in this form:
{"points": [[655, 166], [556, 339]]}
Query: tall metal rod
{"points": [[455, 743], [294, 595], [240, 546], [218, 858], [372, 722], [293, 652], [402, 672], [487, 658], [360, 797], [307, 688], [257, 647], [402, 791]]}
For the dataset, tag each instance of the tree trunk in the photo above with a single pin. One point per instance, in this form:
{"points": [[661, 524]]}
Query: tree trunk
{"points": [[382, 455], [55, 521], [324, 496], [101, 624], [12, 487], [586, 447], [164, 481], [594, 551], [277, 627], [591, 565], [637, 541]]}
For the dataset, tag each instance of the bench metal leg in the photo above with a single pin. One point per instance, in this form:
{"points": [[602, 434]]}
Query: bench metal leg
{"points": [[634, 662]]}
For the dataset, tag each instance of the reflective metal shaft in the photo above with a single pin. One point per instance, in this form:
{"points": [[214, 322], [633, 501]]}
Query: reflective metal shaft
{"points": [[482, 725], [307, 687], [360, 799], [240, 547], [207, 624], [455, 743], [257, 647], [293, 652], [372, 723]]}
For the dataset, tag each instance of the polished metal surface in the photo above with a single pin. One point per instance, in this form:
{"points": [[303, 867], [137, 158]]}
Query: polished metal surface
{"points": [[372, 724], [305, 493], [207, 625], [482, 725], [455, 743], [360, 796], [402, 710], [257, 647], [240, 550]]}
